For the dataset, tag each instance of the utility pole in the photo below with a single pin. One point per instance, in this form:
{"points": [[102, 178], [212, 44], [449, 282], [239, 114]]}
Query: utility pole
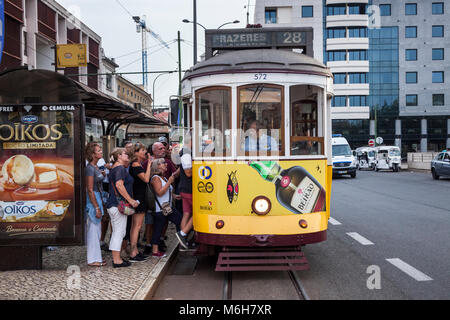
{"points": [[180, 102], [195, 32]]}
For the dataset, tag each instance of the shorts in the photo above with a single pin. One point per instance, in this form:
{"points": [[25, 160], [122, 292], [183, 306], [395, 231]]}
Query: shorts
{"points": [[187, 202]]}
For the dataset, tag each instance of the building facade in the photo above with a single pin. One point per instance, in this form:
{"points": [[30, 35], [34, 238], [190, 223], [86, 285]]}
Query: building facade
{"points": [[387, 58], [34, 27], [133, 95]]}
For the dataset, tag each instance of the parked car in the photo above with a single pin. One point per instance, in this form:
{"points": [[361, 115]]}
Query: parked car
{"points": [[440, 165]]}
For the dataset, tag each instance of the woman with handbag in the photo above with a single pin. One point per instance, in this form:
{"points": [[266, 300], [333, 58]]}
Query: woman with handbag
{"points": [[94, 205], [141, 178], [120, 203], [164, 212]]}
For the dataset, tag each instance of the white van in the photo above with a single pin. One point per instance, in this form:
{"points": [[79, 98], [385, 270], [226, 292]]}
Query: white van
{"points": [[344, 162]]}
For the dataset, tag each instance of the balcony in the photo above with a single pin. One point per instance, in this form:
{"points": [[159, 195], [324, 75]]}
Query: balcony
{"points": [[346, 1], [348, 20], [343, 113], [349, 66], [347, 43], [352, 89]]}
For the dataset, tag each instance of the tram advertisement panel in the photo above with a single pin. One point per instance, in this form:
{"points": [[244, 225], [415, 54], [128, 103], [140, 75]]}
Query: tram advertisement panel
{"points": [[38, 172], [294, 187]]}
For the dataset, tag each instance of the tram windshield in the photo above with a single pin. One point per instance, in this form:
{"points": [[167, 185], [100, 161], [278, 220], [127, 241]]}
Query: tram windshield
{"points": [[214, 121], [260, 117]]}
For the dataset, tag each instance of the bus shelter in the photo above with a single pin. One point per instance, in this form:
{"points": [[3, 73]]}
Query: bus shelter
{"points": [[42, 188]]}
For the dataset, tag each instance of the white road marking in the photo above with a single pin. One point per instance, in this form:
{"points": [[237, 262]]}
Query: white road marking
{"points": [[334, 222], [409, 270], [360, 238]]}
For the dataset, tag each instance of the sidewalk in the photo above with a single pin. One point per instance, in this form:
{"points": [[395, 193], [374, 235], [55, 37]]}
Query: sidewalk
{"points": [[65, 275]]}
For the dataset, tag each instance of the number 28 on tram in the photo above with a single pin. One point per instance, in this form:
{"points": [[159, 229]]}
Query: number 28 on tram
{"points": [[261, 148]]}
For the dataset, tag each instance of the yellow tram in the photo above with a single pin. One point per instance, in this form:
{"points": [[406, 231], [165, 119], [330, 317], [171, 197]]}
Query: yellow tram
{"points": [[261, 149]]}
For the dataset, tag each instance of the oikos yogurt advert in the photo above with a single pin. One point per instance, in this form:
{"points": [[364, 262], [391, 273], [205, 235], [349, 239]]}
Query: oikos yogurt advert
{"points": [[36, 169]]}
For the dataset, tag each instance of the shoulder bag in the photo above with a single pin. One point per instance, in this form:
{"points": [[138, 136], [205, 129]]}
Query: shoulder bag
{"points": [[166, 207], [123, 206]]}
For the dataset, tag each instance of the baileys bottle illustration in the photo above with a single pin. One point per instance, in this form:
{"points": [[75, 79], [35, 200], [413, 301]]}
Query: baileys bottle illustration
{"points": [[296, 189]]}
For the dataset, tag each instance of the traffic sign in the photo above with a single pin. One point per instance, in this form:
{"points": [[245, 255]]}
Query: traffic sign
{"points": [[371, 143], [379, 140]]}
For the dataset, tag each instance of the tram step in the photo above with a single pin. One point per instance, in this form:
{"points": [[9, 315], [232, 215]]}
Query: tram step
{"points": [[259, 260]]}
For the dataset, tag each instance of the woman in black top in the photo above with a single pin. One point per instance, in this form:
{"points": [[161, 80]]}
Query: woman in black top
{"points": [[141, 178]]}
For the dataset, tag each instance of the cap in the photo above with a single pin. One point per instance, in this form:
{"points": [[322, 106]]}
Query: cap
{"points": [[162, 140]]}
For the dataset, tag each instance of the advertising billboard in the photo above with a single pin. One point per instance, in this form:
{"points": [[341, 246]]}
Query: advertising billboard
{"points": [[2, 27], [40, 169]]}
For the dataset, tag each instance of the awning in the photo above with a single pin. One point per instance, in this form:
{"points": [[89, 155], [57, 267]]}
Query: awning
{"points": [[21, 85], [102, 106]]}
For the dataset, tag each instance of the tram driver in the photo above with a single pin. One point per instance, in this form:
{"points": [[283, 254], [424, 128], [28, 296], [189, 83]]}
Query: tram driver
{"points": [[257, 139]]}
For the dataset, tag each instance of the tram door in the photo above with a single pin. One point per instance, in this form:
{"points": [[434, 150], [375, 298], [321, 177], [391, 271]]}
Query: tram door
{"points": [[304, 128]]}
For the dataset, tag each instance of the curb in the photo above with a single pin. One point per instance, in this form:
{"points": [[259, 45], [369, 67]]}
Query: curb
{"points": [[148, 287]]}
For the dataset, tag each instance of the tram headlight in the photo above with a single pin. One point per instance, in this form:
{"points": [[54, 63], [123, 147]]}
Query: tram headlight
{"points": [[220, 224], [261, 205], [303, 223]]}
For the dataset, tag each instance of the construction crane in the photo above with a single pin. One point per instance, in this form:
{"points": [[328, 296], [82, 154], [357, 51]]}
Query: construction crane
{"points": [[141, 27]]}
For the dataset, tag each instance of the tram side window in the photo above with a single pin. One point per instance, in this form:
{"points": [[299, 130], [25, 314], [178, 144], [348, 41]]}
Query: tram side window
{"points": [[260, 118], [213, 122]]}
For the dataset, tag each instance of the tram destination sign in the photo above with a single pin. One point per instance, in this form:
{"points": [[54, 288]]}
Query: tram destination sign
{"points": [[259, 38]]}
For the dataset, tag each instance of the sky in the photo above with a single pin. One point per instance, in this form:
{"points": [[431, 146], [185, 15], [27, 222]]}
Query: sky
{"points": [[112, 21]]}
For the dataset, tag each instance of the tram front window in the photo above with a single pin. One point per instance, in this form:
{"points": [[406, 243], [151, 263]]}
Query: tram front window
{"points": [[306, 132], [260, 117], [213, 122]]}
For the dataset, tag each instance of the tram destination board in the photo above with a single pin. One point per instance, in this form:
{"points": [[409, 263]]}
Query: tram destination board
{"points": [[40, 170], [259, 38]]}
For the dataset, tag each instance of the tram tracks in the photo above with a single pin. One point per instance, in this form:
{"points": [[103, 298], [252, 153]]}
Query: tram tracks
{"points": [[227, 289]]}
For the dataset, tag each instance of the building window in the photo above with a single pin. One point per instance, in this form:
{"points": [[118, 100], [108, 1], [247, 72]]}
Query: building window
{"points": [[437, 8], [357, 32], [438, 99], [411, 32], [336, 10], [333, 33], [411, 9], [438, 54], [385, 9], [438, 77], [411, 54], [307, 11], [338, 55], [355, 55], [411, 100], [411, 77], [357, 9], [340, 78], [109, 81], [339, 101], [357, 77], [357, 101], [438, 31], [271, 15]]}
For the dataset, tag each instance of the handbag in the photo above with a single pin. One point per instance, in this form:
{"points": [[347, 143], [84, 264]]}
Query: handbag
{"points": [[150, 198], [166, 207], [123, 206]]}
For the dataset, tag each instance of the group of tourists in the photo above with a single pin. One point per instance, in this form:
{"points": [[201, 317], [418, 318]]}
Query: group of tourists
{"points": [[138, 185]]}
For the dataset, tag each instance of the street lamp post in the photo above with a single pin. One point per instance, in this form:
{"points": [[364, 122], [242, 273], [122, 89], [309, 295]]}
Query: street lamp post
{"points": [[153, 92]]}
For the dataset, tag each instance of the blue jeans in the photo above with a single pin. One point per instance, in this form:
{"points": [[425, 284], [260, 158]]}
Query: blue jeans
{"points": [[160, 221]]}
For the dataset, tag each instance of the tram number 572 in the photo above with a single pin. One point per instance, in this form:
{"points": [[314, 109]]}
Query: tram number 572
{"points": [[260, 76]]}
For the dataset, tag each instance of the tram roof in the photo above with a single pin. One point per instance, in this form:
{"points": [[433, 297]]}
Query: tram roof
{"points": [[252, 60]]}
